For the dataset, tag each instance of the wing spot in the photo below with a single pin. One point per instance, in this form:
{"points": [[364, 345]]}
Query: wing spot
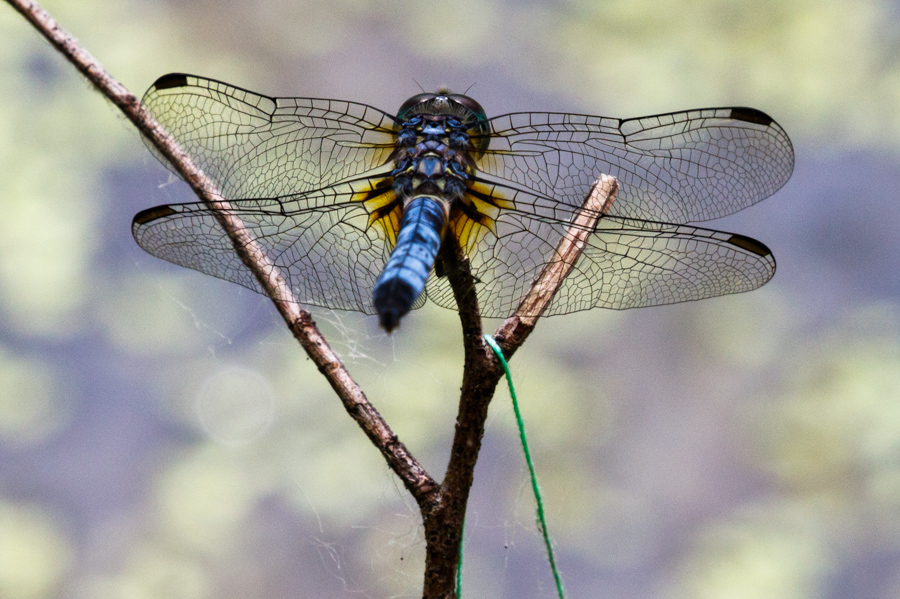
{"points": [[749, 244], [171, 80], [751, 115], [151, 214]]}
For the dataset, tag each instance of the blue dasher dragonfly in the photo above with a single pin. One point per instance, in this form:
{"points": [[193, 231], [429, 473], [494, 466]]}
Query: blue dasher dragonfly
{"points": [[352, 203]]}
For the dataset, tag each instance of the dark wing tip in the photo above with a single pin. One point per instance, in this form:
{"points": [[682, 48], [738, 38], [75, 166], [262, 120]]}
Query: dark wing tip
{"points": [[749, 244], [171, 80], [752, 115], [151, 214]]}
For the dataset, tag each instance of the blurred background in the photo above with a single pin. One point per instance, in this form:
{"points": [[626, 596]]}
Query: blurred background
{"points": [[162, 435]]}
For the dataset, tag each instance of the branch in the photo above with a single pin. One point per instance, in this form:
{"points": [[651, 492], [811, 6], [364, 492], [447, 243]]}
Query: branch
{"points": [[482, 369], [417, 481], [442, 507], [443, 528]]}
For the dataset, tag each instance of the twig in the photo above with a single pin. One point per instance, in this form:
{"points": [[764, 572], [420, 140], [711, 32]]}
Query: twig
{"points": [[417, 481], [599, 201], [513, 332]]}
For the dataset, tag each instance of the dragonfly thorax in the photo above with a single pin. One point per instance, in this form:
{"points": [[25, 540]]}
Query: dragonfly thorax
{"points": [[432, 157]]}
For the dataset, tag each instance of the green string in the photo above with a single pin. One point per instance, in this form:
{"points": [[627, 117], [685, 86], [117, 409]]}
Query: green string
{"points": [[541, 522]]}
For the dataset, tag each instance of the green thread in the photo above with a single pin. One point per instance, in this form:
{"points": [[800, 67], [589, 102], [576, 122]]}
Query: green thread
{"points": [[541, 522]]}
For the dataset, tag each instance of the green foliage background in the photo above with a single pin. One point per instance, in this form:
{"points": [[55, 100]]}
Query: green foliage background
{"points": [[161, 435]]}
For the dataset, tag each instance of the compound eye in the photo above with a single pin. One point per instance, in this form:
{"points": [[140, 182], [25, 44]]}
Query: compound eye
{"points": [[469, 104], [479, 129], [407, 106]]}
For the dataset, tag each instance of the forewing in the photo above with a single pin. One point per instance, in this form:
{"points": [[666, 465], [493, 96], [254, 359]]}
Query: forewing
{"points": [[322, 242], [254, 146], [681, 167], [626, 263]]}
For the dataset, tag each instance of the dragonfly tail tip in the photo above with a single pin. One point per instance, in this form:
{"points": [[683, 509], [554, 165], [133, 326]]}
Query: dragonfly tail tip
{"points": [[393, 298]]}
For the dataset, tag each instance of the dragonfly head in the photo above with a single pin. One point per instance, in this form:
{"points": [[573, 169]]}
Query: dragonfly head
{"points": [[461, 107]]}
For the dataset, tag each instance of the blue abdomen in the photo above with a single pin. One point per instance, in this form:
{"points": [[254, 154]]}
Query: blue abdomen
{"points": [[404, 275]]}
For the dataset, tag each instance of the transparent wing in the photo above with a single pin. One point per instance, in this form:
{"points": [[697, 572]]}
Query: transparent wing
{"points": [[324, 243], [305, 176], [680, 167], [331, 253], [254, 146], [627, 263]]}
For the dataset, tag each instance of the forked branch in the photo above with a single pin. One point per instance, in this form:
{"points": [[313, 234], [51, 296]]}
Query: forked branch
{"points": [[482, 372], [442, 506]]}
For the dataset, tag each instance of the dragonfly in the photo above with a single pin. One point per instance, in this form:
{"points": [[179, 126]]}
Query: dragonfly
{"points": [[352, 203]]}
